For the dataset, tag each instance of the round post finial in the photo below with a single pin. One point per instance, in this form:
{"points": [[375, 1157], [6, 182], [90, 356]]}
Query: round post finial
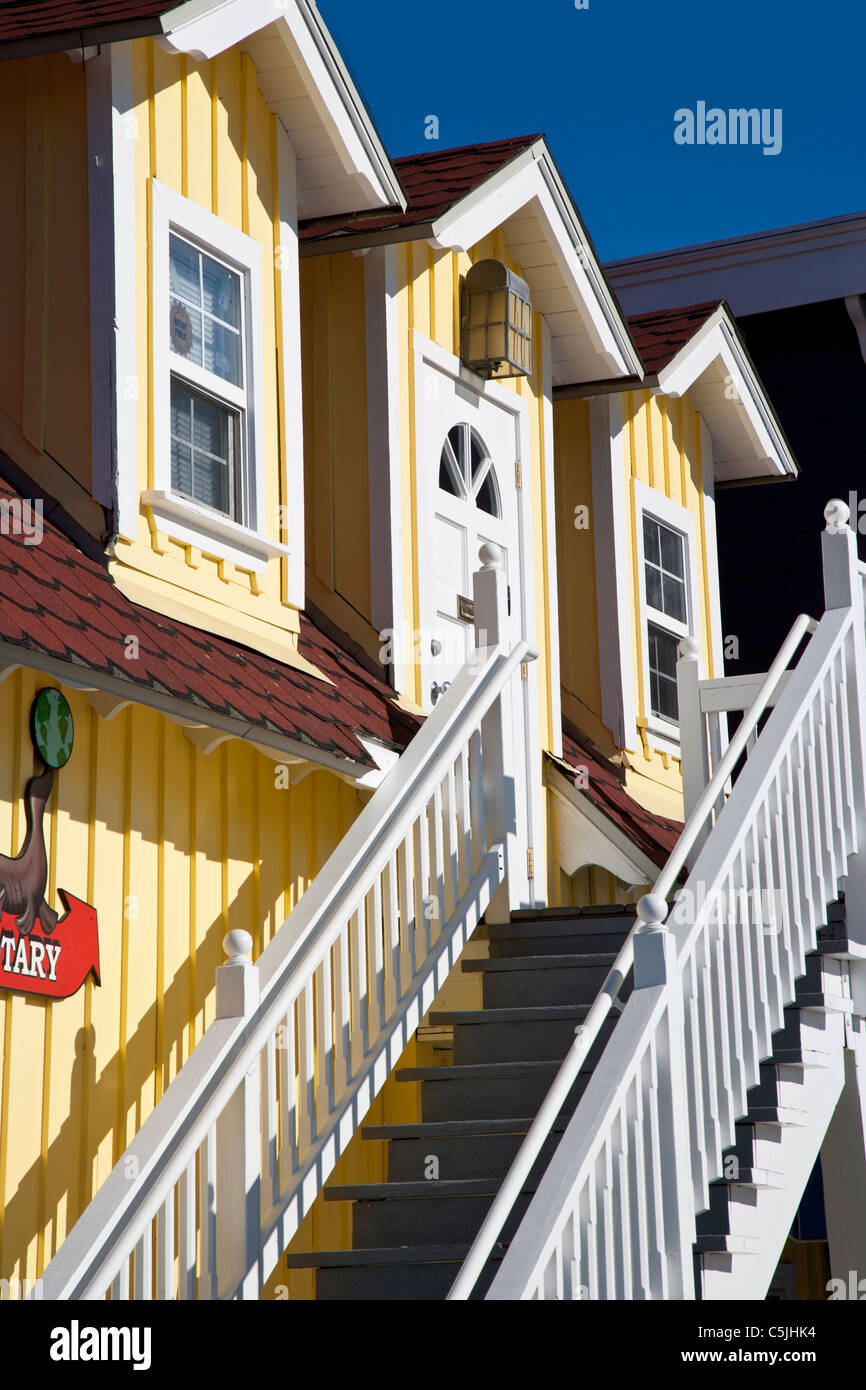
{"points": [[836, 514], [238, 946], [689, 648], [490, 556], [652, 909]]}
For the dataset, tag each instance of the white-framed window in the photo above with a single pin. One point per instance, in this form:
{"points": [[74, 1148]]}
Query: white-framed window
{"points": [[668, 586], [208, 397]]}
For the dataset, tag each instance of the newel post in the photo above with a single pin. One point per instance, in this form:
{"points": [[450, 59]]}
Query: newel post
{"points": [[656, 967], [693, 739], [238, 1138], [490, 597], [843, 588]]}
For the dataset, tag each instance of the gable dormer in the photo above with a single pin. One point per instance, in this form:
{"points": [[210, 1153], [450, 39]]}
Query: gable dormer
{"points": [[186, 142]]}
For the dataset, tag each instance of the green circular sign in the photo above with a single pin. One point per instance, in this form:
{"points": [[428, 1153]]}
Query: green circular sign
{"points": [[52, 728]]}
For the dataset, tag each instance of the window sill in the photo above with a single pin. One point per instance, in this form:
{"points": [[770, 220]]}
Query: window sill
{"points": [[664, 735], [192, 524]]}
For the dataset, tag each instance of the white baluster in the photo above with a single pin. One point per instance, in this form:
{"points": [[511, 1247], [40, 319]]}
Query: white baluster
{"points": [[238, 1156]]}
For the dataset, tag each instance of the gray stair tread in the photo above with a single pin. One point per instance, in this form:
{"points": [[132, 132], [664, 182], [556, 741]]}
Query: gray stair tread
{"points": [[727, 1244], [554, 914], [481, 1071], [438, 1187], [569, 962], [452, 1129], [525, 931], [753, 1177], [541, 1013], [399, 1255]]}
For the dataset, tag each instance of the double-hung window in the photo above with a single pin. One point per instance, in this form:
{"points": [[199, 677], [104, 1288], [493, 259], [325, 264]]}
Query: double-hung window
{"points": [[208, 384], [667, 563], [667, 608], [209, 449]]}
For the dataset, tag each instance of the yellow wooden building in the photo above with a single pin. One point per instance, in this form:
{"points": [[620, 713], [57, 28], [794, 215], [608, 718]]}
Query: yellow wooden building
{"points": [[283, 422]]}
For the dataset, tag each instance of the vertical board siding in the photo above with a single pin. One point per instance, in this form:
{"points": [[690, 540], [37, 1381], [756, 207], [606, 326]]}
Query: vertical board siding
{"points": [[173, 848], [44, 251], [205, 131]]}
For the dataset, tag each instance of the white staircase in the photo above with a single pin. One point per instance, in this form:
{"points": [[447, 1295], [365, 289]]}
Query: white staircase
{"points": [[679, 1171], [620, 1208]]}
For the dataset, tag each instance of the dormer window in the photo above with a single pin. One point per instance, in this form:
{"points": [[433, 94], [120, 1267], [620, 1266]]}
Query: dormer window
{"points": [[208, 385]]}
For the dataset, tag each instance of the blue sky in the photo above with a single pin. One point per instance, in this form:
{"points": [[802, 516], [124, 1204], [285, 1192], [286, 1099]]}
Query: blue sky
{"points": [[603, 84]]}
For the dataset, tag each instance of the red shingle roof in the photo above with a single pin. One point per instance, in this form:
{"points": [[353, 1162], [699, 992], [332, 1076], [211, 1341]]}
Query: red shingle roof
{"points": [[43, 18], [60, 602], [659, 336], [433, 182], [654, 835]]}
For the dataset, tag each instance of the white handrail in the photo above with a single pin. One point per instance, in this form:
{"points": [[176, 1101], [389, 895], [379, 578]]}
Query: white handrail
{"points": [[361, 944], [565, 1078], [614, 1212]]}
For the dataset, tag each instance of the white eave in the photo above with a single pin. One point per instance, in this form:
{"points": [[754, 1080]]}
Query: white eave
{"points": [[341, 162], [544, 235], [715, 370]]}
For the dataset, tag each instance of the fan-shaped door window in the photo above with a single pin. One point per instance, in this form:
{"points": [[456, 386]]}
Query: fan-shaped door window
{"points": [[466, 470]]}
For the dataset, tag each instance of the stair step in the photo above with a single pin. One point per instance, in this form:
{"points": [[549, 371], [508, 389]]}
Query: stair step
{"points": [[557, 937], [484, 1071], [450, 1129], [724, 1245], [592, 960], [778, 1115], [754, 1177], [435, 1187], [543, 1013], [600, 913], [401, 1274], [532, 981], [393, 1255]]}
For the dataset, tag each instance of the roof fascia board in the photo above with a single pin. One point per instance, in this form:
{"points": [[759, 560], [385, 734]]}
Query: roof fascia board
{"points": [[363, 241], [202, 29], [802, 264], [72, 41], [183, 711], [717, 338], [530, 176]]}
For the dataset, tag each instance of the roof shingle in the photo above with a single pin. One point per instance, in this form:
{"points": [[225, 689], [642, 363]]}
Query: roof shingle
{"points": [[60, 602], [659, 336], [605, 788]]}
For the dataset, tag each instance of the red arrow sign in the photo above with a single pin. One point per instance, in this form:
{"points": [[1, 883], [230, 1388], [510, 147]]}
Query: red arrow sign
{"points": [[55, 965]]}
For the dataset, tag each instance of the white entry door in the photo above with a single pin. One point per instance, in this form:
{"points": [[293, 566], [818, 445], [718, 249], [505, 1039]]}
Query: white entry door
{"points": [[467, 454]]}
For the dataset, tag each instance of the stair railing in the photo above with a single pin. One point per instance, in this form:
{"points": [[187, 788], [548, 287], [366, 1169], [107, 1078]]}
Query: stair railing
{"points": [[213, 1187], [614, 1213]]}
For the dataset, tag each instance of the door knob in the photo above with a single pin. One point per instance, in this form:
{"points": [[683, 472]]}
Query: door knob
{"points": [[435, 646]]}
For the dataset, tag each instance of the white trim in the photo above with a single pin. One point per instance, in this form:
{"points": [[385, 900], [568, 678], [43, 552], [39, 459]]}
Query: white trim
{"points": [[292, 466], [531, 177], [383, 451], [495, 394], [194, 524], [204, 28], [663, 733], [711, 550], [856, 306], [610, 504], [100, 186], [741, 391], [762, 271], [171, 210], [127, 377], [548, 464], [593, 838]]}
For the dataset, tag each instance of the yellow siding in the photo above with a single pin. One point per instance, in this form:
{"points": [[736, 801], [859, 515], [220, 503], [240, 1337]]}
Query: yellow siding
{"points": [[173, 848], [204, 130], [44, 279]]}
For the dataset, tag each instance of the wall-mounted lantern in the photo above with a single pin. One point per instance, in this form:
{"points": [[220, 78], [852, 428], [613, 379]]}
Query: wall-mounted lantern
{"points": [[497, 321]]}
